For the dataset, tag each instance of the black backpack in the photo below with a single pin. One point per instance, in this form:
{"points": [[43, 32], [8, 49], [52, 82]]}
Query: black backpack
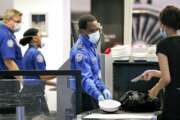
{"points": [[135, 101]]}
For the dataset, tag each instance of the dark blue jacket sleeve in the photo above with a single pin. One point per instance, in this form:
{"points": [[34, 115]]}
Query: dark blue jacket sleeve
{"points": [[7, 48], [99, 83], [89, 85]]}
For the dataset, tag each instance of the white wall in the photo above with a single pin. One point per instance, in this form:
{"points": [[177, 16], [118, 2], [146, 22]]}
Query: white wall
{"points": [[162, 3], [127, 20], [81, 5], [5, 4], [57, 44]]}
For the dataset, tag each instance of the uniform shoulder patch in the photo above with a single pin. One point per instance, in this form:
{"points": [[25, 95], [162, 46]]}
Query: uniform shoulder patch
{"points": [[79, 57], [10, 43], [94, 60], [39, 58]]}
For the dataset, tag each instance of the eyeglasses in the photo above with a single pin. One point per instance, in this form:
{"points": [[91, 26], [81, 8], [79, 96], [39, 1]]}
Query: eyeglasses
{"points": [[16, 21]]}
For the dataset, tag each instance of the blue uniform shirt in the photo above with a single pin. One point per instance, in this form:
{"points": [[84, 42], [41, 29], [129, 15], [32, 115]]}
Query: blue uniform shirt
{"points": [[84, 57], [33, 60], [9, 48]]}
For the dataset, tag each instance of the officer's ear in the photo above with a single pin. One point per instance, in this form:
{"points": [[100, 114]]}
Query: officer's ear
{"points": [[35, 38], [83, 32]]}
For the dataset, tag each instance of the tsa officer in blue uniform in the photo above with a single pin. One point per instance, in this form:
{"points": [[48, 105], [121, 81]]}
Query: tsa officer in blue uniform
{"points": [[84, 57], [10, 53], [34, 60]]}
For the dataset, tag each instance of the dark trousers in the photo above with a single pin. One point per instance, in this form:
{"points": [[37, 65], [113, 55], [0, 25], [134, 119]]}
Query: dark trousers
{"points": [[34, 100], [88, 103]]}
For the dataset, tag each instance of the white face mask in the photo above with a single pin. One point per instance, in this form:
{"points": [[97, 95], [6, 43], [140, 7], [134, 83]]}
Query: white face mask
{"points": [[163, 33], [178, 32], [17, 27], [42, 44], [94, 37], [1, 22]]}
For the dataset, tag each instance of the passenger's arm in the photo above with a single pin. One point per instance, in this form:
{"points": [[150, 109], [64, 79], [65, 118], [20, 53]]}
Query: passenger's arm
{"points": [[149, 74], [165, 78]]}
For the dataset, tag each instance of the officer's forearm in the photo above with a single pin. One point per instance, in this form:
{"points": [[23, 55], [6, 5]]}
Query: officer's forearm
{"points": [[11, 65], [50, 83], [100, 84], [90, 88], [47, 77], [95, 93]]}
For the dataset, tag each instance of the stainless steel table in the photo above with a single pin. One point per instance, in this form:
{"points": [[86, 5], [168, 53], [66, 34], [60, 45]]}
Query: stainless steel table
{"points": [[119, 115]]}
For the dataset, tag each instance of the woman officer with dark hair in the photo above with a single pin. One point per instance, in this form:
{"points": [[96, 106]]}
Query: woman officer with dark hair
{"points": [[168, 52], [33, 86]]}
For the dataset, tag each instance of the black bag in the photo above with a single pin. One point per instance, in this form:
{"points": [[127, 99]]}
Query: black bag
{"points": [[135, 101]]}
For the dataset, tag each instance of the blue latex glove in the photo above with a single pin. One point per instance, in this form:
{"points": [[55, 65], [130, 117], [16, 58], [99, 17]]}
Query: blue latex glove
{"points": [[100, 98], [107, 94]]}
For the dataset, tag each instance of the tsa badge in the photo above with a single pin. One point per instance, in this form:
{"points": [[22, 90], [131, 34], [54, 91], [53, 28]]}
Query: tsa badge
{"points": [[94, 60], [10, 43], [40, 58], [79, 57]]}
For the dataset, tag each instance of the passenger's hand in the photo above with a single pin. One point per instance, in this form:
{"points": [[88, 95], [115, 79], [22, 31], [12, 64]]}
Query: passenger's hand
{"points": [[153, 92], [148, 74], [107, 94]]}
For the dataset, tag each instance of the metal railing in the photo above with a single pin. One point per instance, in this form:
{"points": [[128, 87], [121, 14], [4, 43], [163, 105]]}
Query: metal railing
{"points": [[19, 97]]}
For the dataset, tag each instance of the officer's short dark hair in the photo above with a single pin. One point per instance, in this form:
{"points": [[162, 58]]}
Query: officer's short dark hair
{"points": [[83, 20], [28, 35], [170, 16]]}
